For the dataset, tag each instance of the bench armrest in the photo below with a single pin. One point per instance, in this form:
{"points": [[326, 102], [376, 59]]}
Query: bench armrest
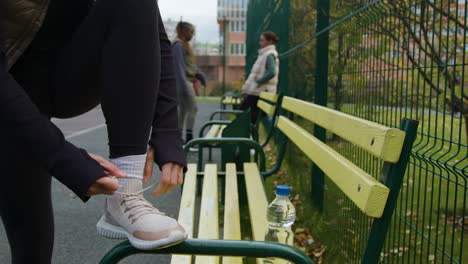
{"points": [[211, 123], [230, 141], [206, 247], [253, 129], [230, 112]]}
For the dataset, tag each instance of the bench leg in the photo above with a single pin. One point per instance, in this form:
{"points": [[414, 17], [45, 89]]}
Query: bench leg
{"points": [[204, 247], [210, 152]]}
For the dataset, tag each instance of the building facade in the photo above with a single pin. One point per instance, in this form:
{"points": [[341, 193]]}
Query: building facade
{"points": [[232, 20]]}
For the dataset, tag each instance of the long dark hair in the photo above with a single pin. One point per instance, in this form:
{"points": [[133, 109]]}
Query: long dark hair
{"points": [[181, 29], [271, 36]]}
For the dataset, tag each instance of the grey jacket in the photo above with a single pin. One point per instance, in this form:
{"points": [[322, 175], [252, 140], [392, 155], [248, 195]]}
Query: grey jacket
{"points": [[185, 68]]}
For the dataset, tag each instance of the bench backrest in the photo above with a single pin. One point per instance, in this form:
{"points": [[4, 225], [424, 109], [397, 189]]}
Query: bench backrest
{"points": [[239, 127], [269, 109], [374, 198], [269, 104]]}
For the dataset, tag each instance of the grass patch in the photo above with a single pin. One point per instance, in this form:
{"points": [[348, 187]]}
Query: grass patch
{"points": [[208, 99]]}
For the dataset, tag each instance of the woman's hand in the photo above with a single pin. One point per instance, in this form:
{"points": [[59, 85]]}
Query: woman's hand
{"points": [[171, 175], [107, 184]]}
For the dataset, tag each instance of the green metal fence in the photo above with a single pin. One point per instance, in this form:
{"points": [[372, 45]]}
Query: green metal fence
{"points": [[382, 61]]}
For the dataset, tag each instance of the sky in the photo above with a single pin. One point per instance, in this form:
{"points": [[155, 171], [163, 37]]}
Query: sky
{"points": [[201, 13]]}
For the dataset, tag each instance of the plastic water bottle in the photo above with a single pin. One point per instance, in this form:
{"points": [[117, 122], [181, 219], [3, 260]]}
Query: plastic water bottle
{"points": [[280, 215]]}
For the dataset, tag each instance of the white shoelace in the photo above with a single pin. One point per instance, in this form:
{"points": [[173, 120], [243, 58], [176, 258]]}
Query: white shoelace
{"points": [[142, 206]]}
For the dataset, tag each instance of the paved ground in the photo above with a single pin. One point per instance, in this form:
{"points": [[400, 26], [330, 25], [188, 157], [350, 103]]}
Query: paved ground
{"points": [[76, 240]]}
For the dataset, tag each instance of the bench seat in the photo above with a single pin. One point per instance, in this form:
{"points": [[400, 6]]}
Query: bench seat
{"points": [[229, 100], [208, 214]]}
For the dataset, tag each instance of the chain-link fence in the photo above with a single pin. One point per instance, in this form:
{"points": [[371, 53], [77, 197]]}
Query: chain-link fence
{"points": [[382, 61]]}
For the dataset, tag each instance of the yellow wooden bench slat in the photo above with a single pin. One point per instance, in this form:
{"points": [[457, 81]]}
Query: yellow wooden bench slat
{"points": [[187, 209], [208, 227], [383, 142], [257, 202], [220, 132], [269, 97], [213, 132], [232, 229], [365, 191], [227, 99], [267, 108]]}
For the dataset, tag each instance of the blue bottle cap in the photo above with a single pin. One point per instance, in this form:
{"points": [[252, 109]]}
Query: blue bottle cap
{"points": [[283, 190]]}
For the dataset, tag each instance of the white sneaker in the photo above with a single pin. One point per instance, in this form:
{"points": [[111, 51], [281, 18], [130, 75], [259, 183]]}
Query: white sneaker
{"points": [[130, 215]]}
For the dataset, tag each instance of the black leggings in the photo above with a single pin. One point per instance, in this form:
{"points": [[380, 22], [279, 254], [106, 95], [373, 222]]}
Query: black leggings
{"points": [[250, 101], [113, 59]]}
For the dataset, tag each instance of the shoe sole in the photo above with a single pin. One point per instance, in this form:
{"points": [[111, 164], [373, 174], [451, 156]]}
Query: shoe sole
{"points": [[114, 232]]}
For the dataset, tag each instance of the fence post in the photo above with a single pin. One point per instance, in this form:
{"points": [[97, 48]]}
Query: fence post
{"points": [[321, 94]]}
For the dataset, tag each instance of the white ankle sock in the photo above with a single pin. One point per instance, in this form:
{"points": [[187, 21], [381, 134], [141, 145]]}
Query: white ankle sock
{"points": [[134, 166]]}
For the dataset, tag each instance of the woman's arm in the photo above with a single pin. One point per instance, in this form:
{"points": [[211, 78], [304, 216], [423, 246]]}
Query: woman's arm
{"points": [[201, 76], [270, 70], [40, 140], [179, 61]]}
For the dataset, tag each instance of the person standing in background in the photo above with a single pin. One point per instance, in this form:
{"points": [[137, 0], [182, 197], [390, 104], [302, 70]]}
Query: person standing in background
{"points": [[264, 74], [187, 73]]}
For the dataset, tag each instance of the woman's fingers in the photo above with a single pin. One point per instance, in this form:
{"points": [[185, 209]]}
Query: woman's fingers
{"points": [[165, 179], [149, 165], [181, 174], [104, 185], [174, 179], [108, 166], [171, 176]]}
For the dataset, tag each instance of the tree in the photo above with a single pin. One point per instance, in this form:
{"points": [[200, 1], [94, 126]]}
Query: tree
{"points": [[432, 38]]}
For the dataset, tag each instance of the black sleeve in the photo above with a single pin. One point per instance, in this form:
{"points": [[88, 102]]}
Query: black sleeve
{"points": [[166, 137], [41, 140]]}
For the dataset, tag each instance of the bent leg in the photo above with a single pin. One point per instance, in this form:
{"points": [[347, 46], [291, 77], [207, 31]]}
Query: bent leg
{"points": [[113, 58], [250, 101], [191, 104], [119, 42]]}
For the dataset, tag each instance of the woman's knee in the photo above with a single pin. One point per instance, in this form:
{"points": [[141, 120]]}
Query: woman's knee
{"points": [[194, 107]]}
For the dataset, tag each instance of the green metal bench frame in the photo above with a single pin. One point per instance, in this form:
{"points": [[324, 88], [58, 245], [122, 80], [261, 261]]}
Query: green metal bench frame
{"points": [[201, 247], [206, 247], [265, 98]]}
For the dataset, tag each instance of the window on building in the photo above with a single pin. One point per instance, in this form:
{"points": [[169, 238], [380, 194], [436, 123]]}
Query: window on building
{"points": [[237, 49]]}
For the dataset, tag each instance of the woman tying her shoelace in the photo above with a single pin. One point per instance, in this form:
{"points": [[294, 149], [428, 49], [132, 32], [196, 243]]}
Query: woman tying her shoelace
{"points": [[61, 59]]}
